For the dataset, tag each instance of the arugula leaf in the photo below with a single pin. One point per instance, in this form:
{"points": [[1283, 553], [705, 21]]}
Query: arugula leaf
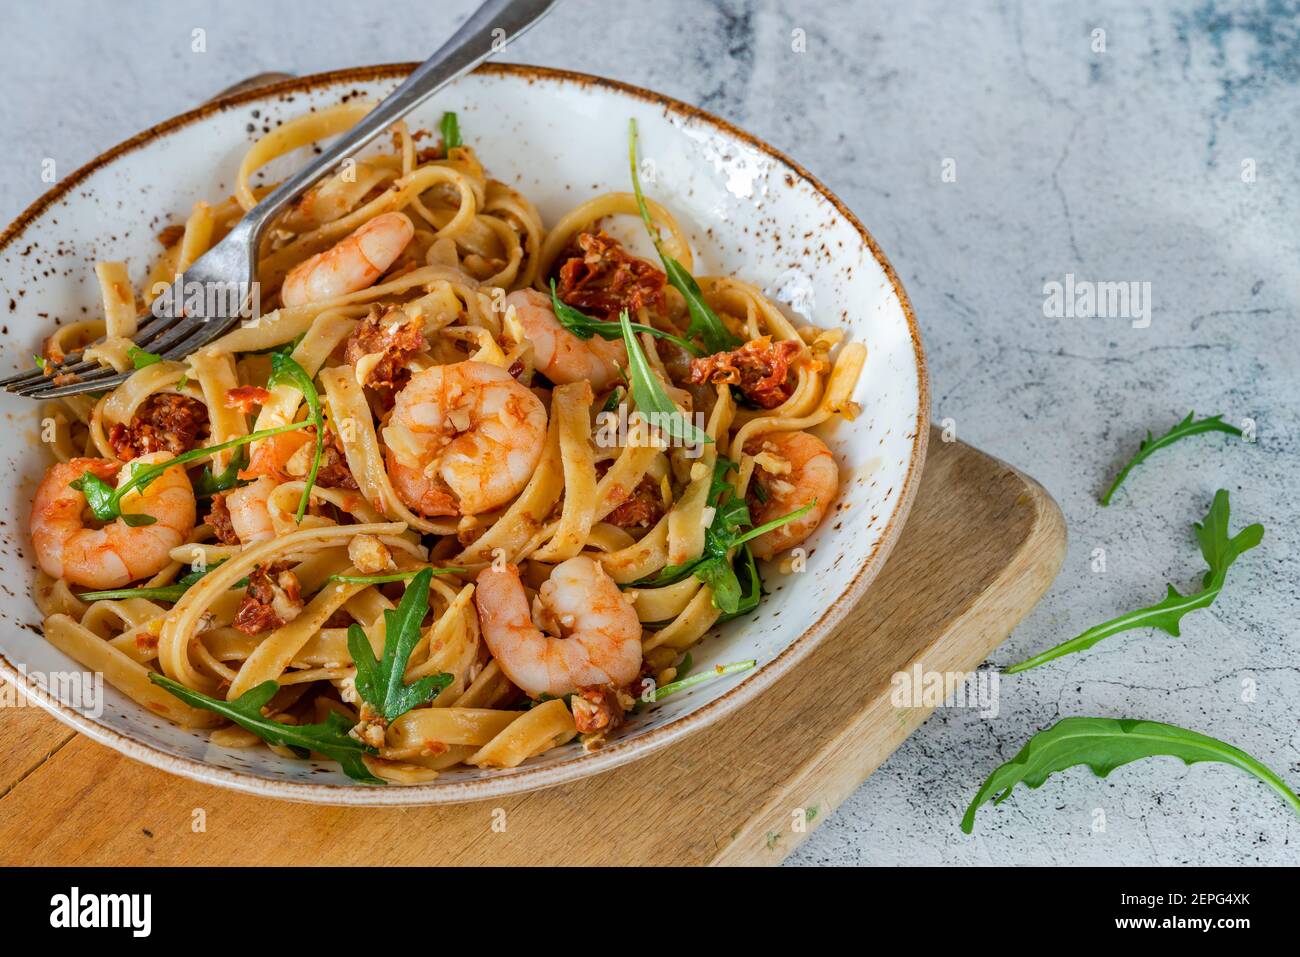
{"points": [[1104, 744], [649, 392], [721, 577], [285, 370], [394, 576], [717, 571], [1219, 552], [209, 484], [171, 593], [717, 671], [726, 521], [766, 527], [688, 662], [704, 321], [99, 496], [98, 493], [194, 574], [382, 684], [142, 359], [449, 126], [106, 502], [329, 738], [714, 566], [584, 327], [615, 397], [752, 592], [1183, 429]]}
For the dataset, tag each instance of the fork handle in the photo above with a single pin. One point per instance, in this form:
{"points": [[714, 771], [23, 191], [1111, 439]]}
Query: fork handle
{"points": [[492, 25]]}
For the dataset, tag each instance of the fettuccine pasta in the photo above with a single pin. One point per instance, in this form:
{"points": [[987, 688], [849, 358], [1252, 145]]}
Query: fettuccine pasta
{"points": [[590, 451]]}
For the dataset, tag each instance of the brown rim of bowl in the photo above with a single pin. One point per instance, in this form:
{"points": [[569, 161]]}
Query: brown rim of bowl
{"points": [[619, 752]]}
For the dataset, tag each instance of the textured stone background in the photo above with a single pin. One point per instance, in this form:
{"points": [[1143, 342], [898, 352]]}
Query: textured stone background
{"points": [[1117, 166]]}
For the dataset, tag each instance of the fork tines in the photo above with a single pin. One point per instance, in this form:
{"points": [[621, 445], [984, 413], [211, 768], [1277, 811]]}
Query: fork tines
{"points": [[172, 337]]}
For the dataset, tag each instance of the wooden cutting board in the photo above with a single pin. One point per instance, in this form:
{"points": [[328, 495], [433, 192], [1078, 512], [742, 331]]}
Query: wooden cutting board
{"points": [[982, 544]]}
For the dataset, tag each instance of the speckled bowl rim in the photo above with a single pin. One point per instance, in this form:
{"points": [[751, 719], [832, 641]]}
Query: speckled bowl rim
{"points": [[619, 752]]}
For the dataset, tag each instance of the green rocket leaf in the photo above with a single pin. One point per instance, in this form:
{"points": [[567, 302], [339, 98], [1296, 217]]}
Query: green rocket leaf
{"points": [[1219, 551], [649, 393], [329, 738], [382, 683], [704, 321], [449, 126], [1104, 744], [286, 370], [106, 502], [584, 326], [1181, 430]]}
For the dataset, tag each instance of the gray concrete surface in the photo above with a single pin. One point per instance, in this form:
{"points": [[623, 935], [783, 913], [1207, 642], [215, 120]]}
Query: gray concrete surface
{"points": [[1133, 163]]}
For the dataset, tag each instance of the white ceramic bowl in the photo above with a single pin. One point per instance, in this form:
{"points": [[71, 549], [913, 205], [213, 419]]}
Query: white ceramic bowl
{"points": [[559, 137]]}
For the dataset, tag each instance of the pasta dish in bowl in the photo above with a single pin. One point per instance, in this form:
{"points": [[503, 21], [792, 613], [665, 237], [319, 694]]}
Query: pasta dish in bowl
{"points": [[472, 488]]}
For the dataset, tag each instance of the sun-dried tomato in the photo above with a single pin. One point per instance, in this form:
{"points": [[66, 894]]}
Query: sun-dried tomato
{"points": [[273, 598], [601, 277], [393, 335], [165, 422], [760, 369]]}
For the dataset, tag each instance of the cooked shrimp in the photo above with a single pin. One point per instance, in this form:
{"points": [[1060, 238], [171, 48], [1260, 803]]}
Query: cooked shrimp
{"points": [[271, 455], [600, 640], [117, 554], [463, 438], [560, 355], [792, 469], [353, 263], [249, 516]]}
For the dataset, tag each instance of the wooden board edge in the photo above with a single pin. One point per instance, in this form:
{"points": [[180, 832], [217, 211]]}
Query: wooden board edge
{"points": [[847, 759]]}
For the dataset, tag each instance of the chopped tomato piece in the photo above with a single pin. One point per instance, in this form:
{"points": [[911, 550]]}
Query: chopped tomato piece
{"points": [[603, 278], [760, 369]]}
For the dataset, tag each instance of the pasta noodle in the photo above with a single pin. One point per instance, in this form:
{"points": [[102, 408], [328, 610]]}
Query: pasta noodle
{"points": [[439, 382]]}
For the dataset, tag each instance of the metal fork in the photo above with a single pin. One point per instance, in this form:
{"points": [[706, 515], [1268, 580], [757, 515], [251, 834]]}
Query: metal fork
{"points": [[234, 259]]}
